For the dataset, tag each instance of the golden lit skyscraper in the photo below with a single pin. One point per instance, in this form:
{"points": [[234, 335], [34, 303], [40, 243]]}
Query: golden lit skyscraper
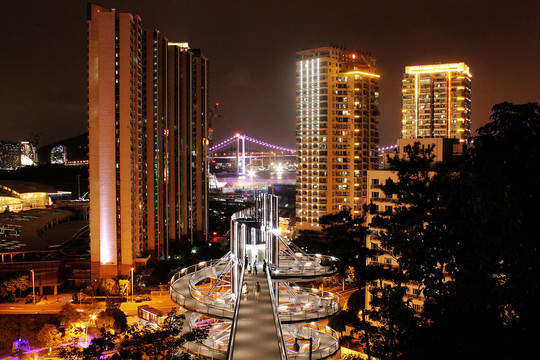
{"points": [[437, 101], [337, 114]]}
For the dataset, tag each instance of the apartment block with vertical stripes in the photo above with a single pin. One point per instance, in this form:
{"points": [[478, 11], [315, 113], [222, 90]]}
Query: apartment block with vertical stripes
{"points": [[148, 139]]}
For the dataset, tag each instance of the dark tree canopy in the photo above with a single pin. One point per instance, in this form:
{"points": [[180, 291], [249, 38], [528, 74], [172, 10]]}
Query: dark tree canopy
{"points": [[469, 237]]}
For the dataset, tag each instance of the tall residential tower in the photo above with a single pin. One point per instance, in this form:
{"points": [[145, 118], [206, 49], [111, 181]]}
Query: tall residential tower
{"points": [[437, 101], [147, 102], [337, 114]]}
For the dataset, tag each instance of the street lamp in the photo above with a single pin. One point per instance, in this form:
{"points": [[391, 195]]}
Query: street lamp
{"points": [[93, 318], [85, 334], [296, 346], [33, 288], [131, 284], [251, 174]]}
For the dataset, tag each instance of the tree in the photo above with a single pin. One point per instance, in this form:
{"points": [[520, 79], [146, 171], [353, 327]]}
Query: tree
{"points": [[469, 239], [8, 333], [156, 343], [12, 287], [49, 336], [112, 319], [344, 236], [68, 315], [97, 348], [108, 286]]}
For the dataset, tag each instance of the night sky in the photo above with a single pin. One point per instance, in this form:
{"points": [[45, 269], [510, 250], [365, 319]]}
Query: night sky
{"points": [[252, 49]]}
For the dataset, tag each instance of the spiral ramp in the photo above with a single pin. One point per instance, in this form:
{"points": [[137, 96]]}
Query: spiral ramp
{"points": [[283, 323]]}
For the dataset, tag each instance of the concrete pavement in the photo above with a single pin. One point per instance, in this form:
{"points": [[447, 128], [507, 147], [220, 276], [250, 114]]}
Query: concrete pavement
{"points": [[256, 334]]}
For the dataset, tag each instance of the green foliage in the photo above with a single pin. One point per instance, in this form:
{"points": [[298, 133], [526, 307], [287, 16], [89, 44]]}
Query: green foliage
{"points": [[469, 239], [12, 287], [137, 342], [68, 315], [156, 343], [49, 336], [109, 286], [112, 319], [71, 353], [8, 333], [97, 348]]}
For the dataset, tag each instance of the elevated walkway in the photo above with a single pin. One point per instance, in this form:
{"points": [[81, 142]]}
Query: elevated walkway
{"points": [[256, 334], [285, 313]]}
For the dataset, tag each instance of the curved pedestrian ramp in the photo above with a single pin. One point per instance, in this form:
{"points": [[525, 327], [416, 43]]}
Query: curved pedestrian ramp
{"points": [[240, 327]]}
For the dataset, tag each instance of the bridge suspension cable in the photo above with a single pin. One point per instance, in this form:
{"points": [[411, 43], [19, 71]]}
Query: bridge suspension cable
{"points": [[234, 138]]}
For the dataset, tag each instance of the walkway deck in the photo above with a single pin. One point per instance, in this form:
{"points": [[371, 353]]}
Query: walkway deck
{"points": [[256, 334]]}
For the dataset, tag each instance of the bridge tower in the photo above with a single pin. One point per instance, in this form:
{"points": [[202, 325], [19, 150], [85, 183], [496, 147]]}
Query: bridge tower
{"points": [[241, 154]]}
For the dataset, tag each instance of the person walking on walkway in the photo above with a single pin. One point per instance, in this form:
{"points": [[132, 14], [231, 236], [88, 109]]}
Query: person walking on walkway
{"points": [[255, 267], [257, 291], [249, 269], [245, 291], [264, 266]]}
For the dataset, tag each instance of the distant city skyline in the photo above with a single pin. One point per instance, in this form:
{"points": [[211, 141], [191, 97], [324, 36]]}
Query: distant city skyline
{"points": [[252, 51]]}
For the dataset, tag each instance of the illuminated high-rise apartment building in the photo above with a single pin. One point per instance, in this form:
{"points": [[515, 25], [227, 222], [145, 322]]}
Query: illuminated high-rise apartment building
{"points": [[147, 103], [437, 101], [337, 114]]}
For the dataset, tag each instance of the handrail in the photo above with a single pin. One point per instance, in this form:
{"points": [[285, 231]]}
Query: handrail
{"points": [[281, 338], [326, 305], [326, 337], [192, 303], [232, 337]]}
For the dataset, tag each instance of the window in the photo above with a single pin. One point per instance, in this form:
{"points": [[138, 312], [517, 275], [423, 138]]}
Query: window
{"points": [[374, 181], [388, 261], [375, 194]]}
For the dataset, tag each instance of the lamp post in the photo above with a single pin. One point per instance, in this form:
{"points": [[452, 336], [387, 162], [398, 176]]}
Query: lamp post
{"points": [[33, 288], [132, 285], [85, 334], [296, 346]]}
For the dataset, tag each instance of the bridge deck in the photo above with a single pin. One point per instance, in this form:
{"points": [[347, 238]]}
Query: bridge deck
{"points": [[256, 333]]}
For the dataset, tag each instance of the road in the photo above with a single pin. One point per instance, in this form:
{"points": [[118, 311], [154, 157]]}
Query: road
{"points": [[54, 303]]}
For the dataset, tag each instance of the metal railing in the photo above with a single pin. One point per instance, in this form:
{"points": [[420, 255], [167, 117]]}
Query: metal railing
{"points": [[281, 338], [203, 350], [315, 305], [327, 339], [232, 337], [186, 299], [311, 266]]}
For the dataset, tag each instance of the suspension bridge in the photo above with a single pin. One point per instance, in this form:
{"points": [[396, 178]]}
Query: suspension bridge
{"points": [[246, 153]]}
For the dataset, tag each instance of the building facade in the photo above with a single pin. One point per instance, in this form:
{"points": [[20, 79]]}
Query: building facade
{"points": [[437, 101], [140, 105], [337, 114], [14, 155], [444, 150]]}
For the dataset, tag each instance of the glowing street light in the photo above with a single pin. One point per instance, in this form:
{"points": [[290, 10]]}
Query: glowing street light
{"points": [[132, 285], [33, 288], [251, 174]]}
